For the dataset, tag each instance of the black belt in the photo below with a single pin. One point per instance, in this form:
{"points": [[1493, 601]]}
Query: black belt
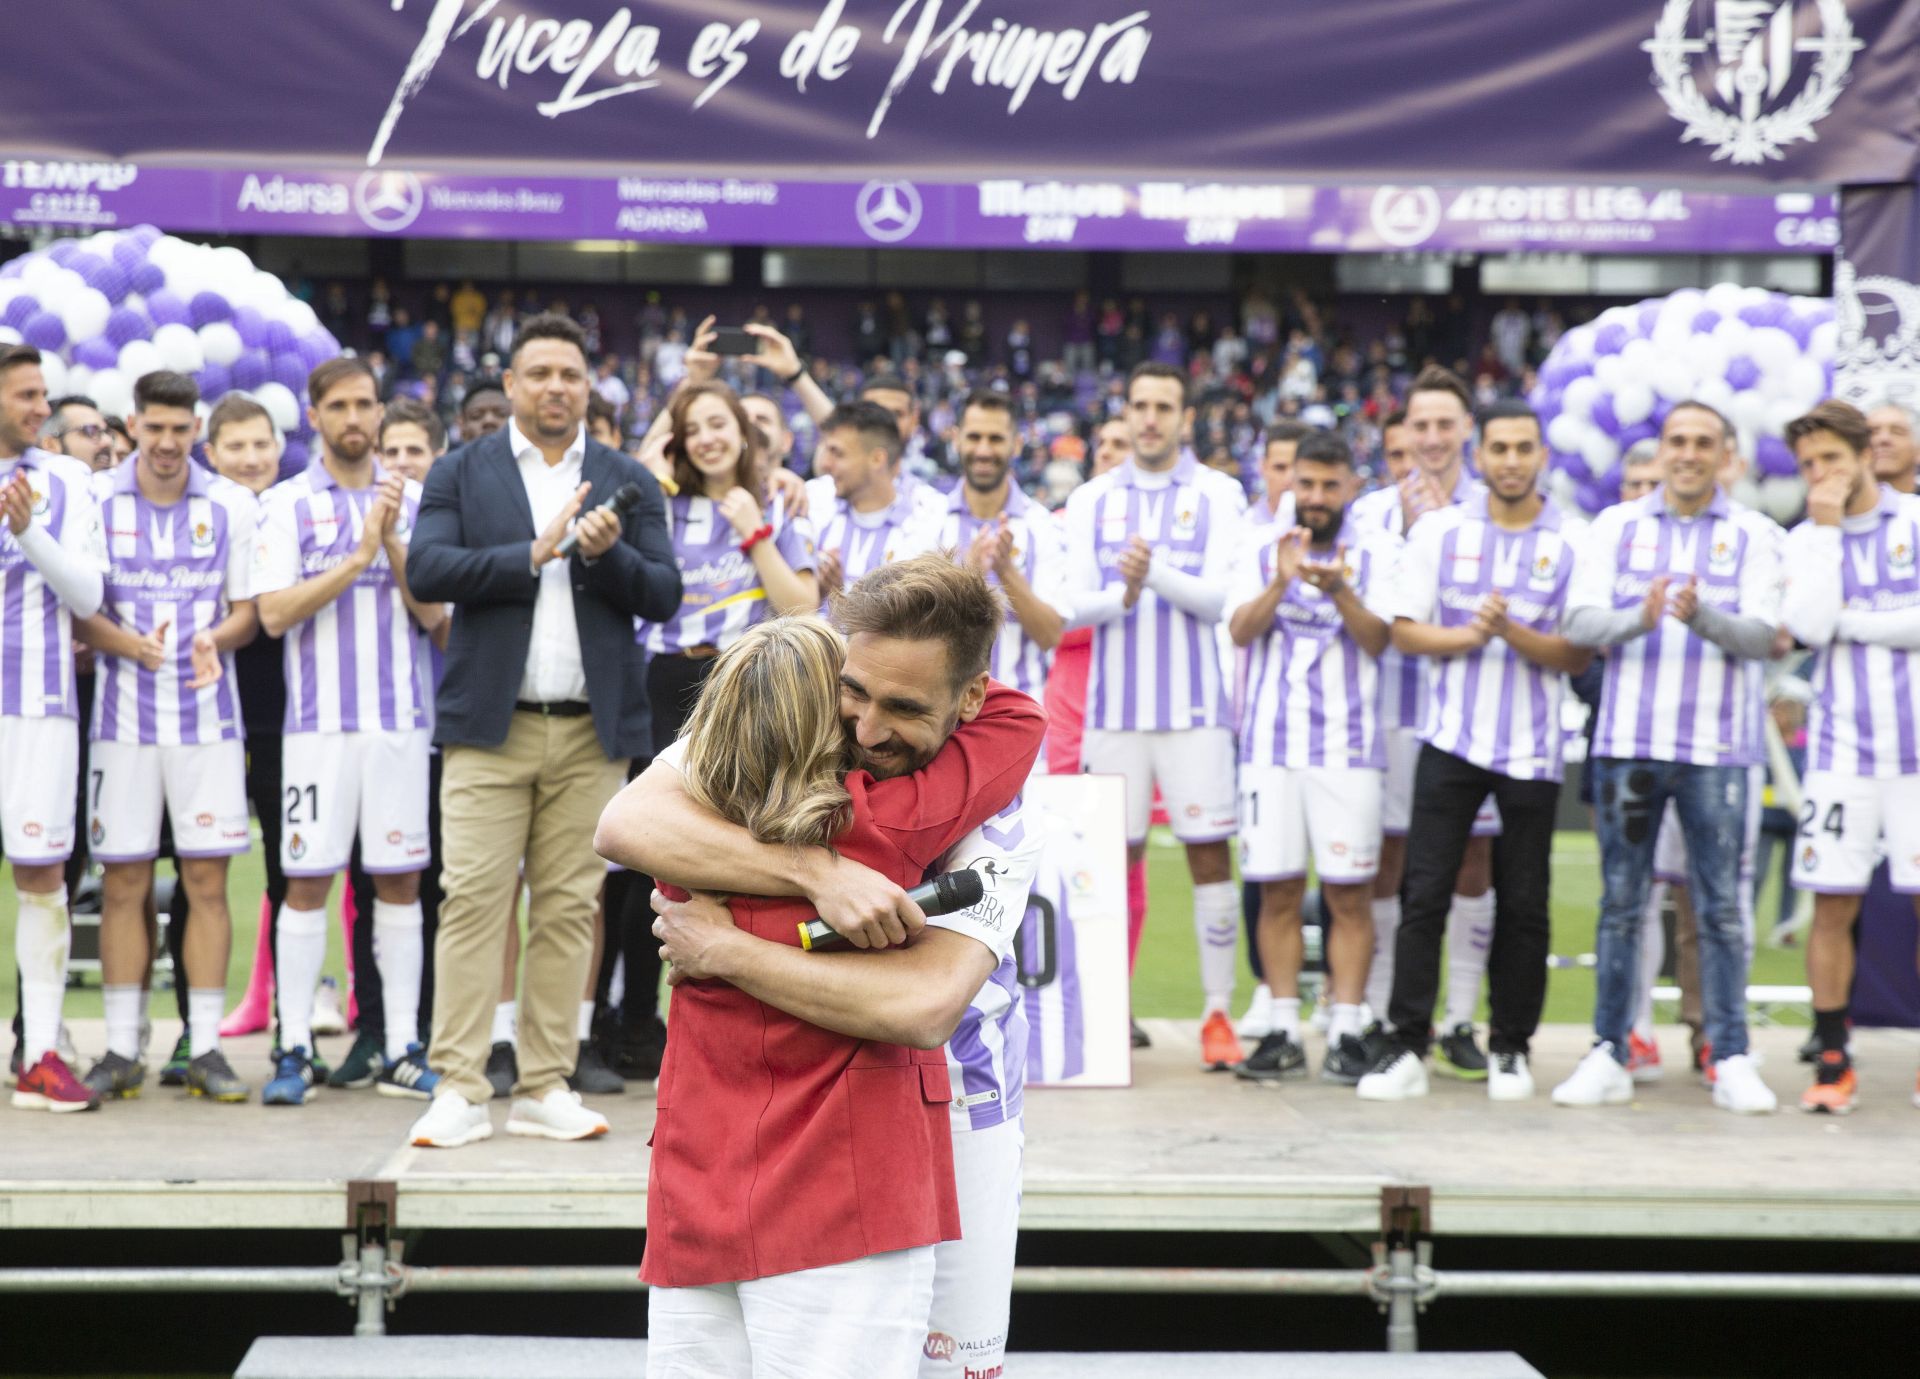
{"points": [[565, 708]]}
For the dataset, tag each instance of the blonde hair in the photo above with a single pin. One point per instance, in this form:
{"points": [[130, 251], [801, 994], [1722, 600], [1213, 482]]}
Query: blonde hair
{"points": [[766, 748]]}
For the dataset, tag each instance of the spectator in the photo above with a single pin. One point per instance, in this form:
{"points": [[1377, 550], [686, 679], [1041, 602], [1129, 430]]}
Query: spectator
{"points": [[1020, 351], [379, 309], [401, 337], [869, 338], [1078, 352], [798, 331], [468, 309], [670, 359], [1509, 332], [430, 352], [973, 334], [609, 385]]}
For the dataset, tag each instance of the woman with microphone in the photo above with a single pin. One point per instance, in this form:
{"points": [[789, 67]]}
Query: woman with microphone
{"points": [[742, 559]]}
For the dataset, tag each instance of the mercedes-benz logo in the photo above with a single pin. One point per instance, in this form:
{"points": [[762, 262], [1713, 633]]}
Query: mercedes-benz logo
{"points": [[388, 201], [888, 211], [1405, 216]]}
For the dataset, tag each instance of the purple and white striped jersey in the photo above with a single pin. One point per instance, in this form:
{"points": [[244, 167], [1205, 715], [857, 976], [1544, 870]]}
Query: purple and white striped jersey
{"points": [[723, 595], [1403, 687], [1260, 516], [1155, 667], [865, 541], [1041, 557], [36, 628], [987, 1055], [1049, 974], [1670, 694], [183, 566], [1312, 695], [1492, 707], [1853, 594], [353, 666]]}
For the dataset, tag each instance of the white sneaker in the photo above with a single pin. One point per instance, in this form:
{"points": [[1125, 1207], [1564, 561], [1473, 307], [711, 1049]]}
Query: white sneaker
{"points": [[558, 1115], [1599, 1080], [328, 1018], [1257, 1023], [63, 1045], [1400, 1075], [1509, 1078], [450, 1122], [1737, 1087]]}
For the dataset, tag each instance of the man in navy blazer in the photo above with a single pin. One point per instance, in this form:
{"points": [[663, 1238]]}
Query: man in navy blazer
{"points": [[543, 702]]}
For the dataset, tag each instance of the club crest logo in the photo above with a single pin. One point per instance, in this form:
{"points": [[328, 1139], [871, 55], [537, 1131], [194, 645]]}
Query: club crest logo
{"points": [[32, 828], [97, 832], [1753, 53], [42, 500], [202, 536], [1720, 557], [1546, 568], [1900, 558], [1877, 355], [296, 847], [1808, 858]]}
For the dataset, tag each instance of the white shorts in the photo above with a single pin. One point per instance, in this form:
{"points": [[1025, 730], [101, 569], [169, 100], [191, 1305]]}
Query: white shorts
{"points": [[1396, 807], [865, 1319], [203, 786], [333, 785], [1192, 766], [1670, 845], [37, 785], [973, 1276], [1335, 809], [1844, 822]]}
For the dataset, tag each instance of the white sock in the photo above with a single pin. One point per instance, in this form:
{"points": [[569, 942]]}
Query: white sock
{"points": [[504, 1013], [1386, 924], [1653, 951], [1216, 924], [41, 938], [1284, 1014], [399, 951], [586, 1021], [1469, 935], [1345, 1021], [301, 951], [123, 1020], [204, 1009], [617, 984]]}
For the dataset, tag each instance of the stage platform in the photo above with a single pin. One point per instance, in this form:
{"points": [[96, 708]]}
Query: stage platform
{"points": [[1181, 1150]]}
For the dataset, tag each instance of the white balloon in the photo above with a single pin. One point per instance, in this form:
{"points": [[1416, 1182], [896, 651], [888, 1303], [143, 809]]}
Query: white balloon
{"points": [[1633, 403], [1716, 392], [79, 379], [1578, 345], [230, 267], [1638, 356], [1707, 357], [1609, 371], [1673, 378], [40, 274], [9, 336], [299, 315], [1565, 433], [54, 370], [263, 292], [1724, 298], [280, 403], [1772, 348], [1672, 331], [1781, 411], [1824, 343], [84, 314], [1619, 316], [1600, 451], [139, 358], [1755, 296], [1577, 401], [1733, 335], [112, 389], [221, 343], [1748, 411], [180, 348], [1806, 383]]}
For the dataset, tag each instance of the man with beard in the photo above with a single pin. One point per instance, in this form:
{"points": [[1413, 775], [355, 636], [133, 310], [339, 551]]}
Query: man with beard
{"points": [[77, 428], [330, 574], [1480, 596], [1309, 603]]}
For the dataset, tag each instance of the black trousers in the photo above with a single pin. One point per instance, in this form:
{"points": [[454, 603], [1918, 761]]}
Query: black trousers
{"points": [[1447, 793], [366, 970], [673, 686]]}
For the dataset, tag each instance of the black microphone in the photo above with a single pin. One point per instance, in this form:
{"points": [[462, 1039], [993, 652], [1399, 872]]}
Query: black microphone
{"points": [[944, 895], [624, 500]]}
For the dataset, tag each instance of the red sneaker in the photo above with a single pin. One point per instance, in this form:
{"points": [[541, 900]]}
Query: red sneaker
{"points": [[1643, 1059], [1704, 1061], [50, 1085], [1219, 1046]]}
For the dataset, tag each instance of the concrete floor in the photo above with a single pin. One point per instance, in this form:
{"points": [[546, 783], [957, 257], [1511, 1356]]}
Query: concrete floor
{"points": [[1181, 1150]]}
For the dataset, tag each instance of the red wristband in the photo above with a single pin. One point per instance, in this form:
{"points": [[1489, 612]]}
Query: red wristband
{"points": [[746, 547]]}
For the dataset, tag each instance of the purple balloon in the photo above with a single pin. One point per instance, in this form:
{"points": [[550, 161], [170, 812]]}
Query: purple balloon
{"points": [[251, 369], [1595, 494], [12, 268], [129, 254], [281, 339], [62, 251], [206, 308], [1801, 328], [44, 331], [1610, 338], [1603, 416], [19, 311], [293, 459], [147, 279], [215, 381], [252, 327], [289, 369], [98, 353], [1774, 458], [316, 347], [1639, 431], [1560, 372], [1649, 316], [128, 323], [146, 236], [1768, 313], [166, 308], [1742, 373], [1705, 320], [88, 266]]}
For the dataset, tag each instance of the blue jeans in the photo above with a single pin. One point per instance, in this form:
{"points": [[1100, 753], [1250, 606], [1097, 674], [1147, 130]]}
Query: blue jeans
{"points": [[1629, 798]]}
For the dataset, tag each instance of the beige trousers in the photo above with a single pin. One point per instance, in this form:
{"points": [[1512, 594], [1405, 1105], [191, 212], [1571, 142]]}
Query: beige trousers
{"points": [[537, 796]]}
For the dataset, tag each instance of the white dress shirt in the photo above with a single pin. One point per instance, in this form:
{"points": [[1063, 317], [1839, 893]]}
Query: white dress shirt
{"points": [[555, 671]]}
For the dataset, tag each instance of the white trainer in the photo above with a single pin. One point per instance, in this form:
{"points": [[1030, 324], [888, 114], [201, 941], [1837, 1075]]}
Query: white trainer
{"points": [[328, 1018], [559, 1115], [1737, 1087], [450, 1122], [1399, 1075], [1509, 1078], [1257, 1023], [1600, 1079]]}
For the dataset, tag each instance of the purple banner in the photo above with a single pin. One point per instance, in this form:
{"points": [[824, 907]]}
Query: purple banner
{"points": [[997, 213], [1724, 92]]}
